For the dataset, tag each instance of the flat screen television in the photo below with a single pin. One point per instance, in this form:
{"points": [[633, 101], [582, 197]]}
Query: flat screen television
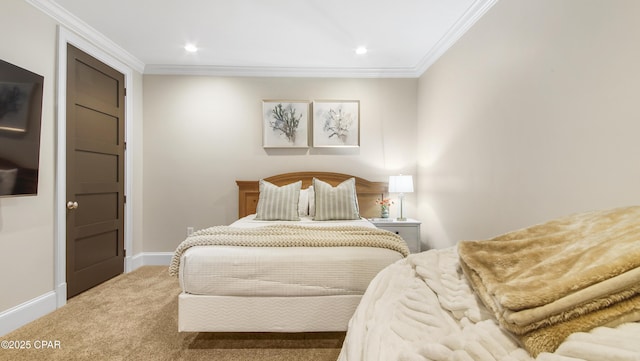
{"points": [[20, 121]]}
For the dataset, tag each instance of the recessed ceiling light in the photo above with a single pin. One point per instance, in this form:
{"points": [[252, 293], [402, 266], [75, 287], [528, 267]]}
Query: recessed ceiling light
{"points": [[191, 48], [361, 50]]}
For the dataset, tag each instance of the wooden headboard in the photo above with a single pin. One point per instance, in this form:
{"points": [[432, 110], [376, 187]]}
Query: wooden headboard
{"points": [[366, 191]]}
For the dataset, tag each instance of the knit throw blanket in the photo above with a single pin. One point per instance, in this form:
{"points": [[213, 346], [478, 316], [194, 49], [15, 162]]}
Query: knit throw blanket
{"points": [[567, 275], [290, 236]]}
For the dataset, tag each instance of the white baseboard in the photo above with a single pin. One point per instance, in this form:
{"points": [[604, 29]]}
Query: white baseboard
{"points": [[24, 313], [150, 259], [33, 309]]}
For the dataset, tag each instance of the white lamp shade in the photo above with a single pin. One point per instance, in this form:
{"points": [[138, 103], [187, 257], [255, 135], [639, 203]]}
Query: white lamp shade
{"points": [[400, 184]]}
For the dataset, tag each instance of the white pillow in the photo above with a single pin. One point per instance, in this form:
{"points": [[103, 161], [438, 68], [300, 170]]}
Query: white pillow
{"points": [[335, 203], [303, 203], [278, 203], [312, 202]]}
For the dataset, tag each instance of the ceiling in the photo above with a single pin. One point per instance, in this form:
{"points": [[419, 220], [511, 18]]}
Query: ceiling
{"points": [[276, 37]]}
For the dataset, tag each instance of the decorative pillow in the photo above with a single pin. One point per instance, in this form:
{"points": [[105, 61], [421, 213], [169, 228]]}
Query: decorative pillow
{"points": [[278, 203], [303, 203], [312, 202], [335, 203]]}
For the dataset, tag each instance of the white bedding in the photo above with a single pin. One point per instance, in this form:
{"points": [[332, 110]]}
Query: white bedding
{"points": [[282, 271], [250, 222], [422, 308]]}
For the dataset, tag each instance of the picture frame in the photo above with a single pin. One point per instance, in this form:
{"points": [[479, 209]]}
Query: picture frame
{"points": [[336, 123], [285, 123]]}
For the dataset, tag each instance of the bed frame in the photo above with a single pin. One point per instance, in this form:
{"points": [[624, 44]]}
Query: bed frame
{"points": [[198, 313], [366, 191]]}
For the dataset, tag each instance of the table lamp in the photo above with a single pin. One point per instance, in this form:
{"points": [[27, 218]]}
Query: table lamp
{"points": [[401, 184]]}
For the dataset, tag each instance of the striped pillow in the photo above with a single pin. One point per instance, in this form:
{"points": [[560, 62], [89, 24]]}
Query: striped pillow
{"points": [[335, 203], [278, 203]]}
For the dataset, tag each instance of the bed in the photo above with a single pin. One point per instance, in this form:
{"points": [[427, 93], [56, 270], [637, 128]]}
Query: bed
{"points": [[563, 290], [298, 259]]}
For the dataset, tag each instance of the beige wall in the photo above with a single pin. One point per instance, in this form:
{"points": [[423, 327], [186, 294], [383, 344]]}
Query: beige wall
{"points": [[203, 133], [531, 115], [26, 223]]}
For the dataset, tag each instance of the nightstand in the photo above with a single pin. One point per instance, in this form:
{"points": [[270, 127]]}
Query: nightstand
{"points": [[409, 230]]}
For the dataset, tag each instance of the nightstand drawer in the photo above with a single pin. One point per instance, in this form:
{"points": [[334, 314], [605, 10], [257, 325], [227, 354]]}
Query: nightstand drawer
{"points": [[408, 230], [407, 233]]}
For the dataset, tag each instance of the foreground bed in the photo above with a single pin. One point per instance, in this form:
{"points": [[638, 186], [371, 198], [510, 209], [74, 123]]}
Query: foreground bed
{"points": [[574, 281], [284, 276]]}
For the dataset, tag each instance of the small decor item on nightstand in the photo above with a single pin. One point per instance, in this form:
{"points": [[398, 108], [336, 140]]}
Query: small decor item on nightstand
{"points": [[384, 203]]}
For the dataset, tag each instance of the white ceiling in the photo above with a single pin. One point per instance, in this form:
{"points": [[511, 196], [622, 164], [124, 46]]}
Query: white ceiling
{"points": [[274, 37]]}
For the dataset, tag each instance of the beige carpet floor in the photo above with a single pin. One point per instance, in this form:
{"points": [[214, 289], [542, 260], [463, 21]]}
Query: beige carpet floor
{"points": [[134, 317]]}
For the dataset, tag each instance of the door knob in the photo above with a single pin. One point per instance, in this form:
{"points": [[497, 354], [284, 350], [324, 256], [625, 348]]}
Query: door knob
{"points": [[72, 205]]}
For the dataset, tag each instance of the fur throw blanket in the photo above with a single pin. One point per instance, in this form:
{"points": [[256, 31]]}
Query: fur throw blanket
{"points": [[563, 276], [290, 236], [422, 308]]}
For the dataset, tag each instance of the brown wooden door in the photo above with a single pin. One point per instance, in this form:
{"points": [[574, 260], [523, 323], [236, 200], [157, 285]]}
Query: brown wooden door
{"points": [[95, 172]]}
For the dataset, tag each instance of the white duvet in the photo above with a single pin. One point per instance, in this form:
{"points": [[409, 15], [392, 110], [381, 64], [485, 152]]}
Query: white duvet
{"points": [[283, 271], [422, 308]]}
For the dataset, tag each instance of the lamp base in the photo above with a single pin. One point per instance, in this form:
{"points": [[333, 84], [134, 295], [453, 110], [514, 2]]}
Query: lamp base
{"points": [[401, 219]]}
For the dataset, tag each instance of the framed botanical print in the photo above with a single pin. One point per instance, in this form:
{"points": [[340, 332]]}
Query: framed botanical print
{"points": [[336, 123], [285, 124]]}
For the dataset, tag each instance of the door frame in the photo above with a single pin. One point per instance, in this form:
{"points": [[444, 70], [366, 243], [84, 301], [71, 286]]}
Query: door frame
{"points": [[60, 210]]}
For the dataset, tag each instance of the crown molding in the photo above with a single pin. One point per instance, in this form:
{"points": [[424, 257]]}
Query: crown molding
{"points": [[71, 22], [464, 23], [257, 71]]}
